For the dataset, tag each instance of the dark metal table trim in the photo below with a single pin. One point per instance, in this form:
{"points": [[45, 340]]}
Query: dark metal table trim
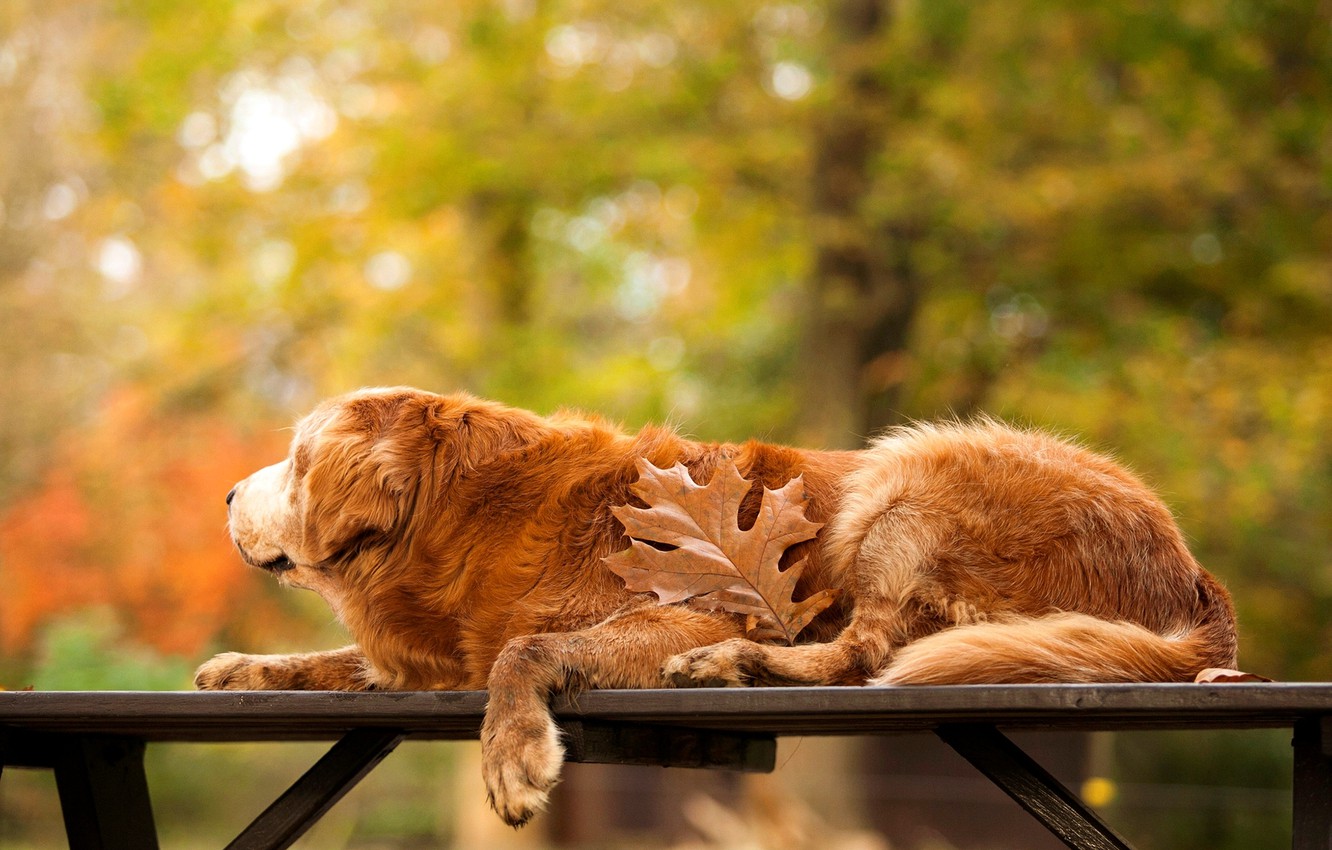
{"points": [[95, 740]]}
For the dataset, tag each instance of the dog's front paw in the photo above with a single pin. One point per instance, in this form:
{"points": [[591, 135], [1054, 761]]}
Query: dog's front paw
{"points": [[236, 671], [521, 756], [722, 665]]}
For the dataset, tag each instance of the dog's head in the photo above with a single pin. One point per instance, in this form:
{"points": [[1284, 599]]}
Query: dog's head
{"points": [[361, 470]]}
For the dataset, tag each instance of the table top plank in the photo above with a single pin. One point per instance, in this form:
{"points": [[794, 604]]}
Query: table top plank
{"points": [[324, 715]]}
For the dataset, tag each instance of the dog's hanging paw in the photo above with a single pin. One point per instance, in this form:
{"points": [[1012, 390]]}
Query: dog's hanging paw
{"points": [[722, 665], [520, 762]]}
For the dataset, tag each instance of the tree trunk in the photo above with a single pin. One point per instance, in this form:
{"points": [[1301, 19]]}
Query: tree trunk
{"points": [[500, 222], [861, 296]]}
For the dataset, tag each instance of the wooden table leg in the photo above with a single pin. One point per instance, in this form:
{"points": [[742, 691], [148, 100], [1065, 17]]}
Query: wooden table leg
{"points": [[103, 789], [1311, 824], [1034, 789], [359, 751]]}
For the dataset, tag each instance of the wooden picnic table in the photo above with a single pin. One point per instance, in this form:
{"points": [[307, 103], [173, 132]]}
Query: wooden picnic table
{"points": [[95, 741]]}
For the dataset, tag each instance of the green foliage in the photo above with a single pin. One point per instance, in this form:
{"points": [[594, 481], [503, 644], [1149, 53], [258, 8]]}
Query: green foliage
{"points": [[1221, 790], [87, 651]]}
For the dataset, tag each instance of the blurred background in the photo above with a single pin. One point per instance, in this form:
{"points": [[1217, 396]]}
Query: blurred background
{"points": [[801, 221]]}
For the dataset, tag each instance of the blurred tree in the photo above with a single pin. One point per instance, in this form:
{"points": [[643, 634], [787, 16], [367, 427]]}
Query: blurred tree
{"points": [[859, 302], [47, 344], [116, 524]]}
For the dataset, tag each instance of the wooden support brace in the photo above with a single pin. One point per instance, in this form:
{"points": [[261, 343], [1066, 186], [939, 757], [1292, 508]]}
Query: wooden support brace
{"points": [[346, 764], [1034, 789], [1311, 823], [606, 743]]}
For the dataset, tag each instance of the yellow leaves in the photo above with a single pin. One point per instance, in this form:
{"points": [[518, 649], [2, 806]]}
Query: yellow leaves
{"points": [[714, 563]]}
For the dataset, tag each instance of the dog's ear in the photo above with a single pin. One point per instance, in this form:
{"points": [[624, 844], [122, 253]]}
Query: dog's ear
{"points": [[346, 499], [359, 483]]}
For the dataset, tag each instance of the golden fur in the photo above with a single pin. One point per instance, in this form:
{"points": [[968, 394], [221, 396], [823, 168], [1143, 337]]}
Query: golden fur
{"points": [[461, 542]]}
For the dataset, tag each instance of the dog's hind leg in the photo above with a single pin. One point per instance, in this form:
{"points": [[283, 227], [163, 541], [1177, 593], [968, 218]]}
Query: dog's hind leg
{"points": [[520, 747], [897, 598]]}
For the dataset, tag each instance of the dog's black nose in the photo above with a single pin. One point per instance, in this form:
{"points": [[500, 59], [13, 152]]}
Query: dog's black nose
{"points": [[231, 495]]}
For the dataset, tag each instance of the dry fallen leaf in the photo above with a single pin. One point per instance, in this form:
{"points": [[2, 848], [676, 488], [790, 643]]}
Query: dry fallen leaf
{"points": [[714, 563], [1214, 675]]}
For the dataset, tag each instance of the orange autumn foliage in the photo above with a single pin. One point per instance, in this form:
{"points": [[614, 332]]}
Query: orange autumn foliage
{"points": [[130, 516]]}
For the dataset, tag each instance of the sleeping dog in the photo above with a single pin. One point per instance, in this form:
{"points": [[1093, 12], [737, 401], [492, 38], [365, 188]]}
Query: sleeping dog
{"points": [[462, 544]]}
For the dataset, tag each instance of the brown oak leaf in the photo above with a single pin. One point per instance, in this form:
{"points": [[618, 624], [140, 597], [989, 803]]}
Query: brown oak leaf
{"points": [[1223, 675], [714, 563]]}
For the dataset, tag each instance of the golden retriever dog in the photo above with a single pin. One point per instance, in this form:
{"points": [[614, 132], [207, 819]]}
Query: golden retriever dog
{"points": [[462, 544]]}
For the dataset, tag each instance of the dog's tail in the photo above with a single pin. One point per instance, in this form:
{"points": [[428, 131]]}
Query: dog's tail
{"points": [[1062, 647]]}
